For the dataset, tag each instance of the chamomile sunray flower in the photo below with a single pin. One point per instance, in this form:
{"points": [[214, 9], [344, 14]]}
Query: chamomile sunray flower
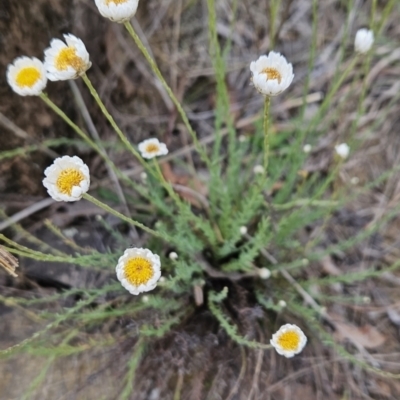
{"points": [[271, 74], [67, 60], [138, 270], [151, 148], [117, 10], [67, 179], [363, 41], [27, 76], [289, 340]]}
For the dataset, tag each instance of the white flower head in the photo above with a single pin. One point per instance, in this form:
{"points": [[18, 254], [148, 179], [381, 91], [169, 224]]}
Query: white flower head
{"points": [[243, 230], [289, 340], [307, 148], [363, 41], [117, 10], [342, 150], [67, 179], [152, 148], [68, 60], [271, 74], [27, 76], [173, 256], [138, 270]]}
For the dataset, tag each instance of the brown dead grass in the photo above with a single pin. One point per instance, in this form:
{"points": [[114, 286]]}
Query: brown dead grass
{"points": [[197, 360]]}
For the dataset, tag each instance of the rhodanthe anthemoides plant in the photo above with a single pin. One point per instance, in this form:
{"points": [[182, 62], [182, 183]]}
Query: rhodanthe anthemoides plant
{"points": [[242, 226]]}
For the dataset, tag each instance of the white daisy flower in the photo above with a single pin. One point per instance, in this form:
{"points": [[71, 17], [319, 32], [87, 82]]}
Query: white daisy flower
{"points": [[363, 41], [27, 76], [152, 148], [342, 150], [67, 179], [271, 74], [117, 10], [138, 270], [289, 340], [66, 61]]}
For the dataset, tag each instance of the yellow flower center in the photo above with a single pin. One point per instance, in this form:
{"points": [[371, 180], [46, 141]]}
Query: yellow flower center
{"points": [[115, 1], [27, 76], [272, 73], [152, 148], [138, 270], [289, 340], [67, 58], [67, 179]]}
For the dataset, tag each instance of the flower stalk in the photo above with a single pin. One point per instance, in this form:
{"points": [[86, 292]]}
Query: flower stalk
{"points": [[267, 103], [171, 94], [123, 217]]}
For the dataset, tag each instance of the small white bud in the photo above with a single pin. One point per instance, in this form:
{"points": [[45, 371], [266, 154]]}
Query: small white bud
{"points": [[162, 279], [173, 255], [98, 217], [282, 303], [243, 230], [242, 138], [258, 169], [264, 273], [354, 180], [363, 41], [366, 300], [342, 150], [70, 232], [307, 148], [143, 177], [305, 261], [145, 299]]}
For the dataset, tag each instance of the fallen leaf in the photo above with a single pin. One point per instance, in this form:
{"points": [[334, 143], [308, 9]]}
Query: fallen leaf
{"points": [[196, 190], [366, 336], [329, 266]]}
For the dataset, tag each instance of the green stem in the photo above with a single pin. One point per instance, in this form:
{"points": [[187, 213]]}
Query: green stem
{"points": [[87, 139], [111, 120], [328, 98], [267, 103], [75, 127], [171, 94], [123, 217]]}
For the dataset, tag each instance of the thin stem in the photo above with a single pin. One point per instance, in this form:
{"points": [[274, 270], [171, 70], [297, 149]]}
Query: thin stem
{"points": [[171, 94], [75, 127], [123, 217], [86, 138], [111, 120], [267, 103]]}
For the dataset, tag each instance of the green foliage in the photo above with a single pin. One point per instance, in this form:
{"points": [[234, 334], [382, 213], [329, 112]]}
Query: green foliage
{"points": [[277, 209]]}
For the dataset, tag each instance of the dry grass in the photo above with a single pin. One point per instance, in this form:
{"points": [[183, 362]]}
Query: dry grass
{"points": [[197, 360]]}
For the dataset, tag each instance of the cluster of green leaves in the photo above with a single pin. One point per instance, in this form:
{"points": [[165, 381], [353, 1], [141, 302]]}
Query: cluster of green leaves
{"points": [[208, 240]]}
